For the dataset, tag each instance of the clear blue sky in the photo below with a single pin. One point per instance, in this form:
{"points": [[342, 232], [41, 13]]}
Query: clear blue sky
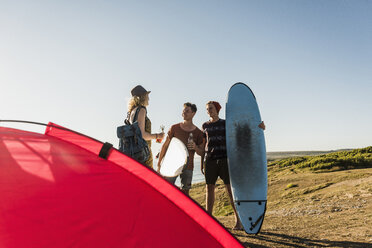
{"points": [[308, 63]]}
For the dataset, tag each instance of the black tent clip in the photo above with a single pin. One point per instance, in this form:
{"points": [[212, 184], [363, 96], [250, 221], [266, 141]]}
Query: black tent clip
{"points": [[105, 150]]}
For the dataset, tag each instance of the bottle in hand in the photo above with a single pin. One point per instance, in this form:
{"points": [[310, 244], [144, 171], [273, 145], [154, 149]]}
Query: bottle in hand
{"points": [[190, 139], [159, 140]]}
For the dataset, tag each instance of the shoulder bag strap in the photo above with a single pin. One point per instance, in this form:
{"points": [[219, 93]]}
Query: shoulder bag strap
{"points": [[136, 114]]}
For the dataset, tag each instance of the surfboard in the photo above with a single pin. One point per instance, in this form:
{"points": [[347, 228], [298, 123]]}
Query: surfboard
{"points": [[174, 159], [246, 154]]}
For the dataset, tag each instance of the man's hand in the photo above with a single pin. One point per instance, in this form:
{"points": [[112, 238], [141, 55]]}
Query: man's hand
{"points": [[191, 145], [262, 126]]}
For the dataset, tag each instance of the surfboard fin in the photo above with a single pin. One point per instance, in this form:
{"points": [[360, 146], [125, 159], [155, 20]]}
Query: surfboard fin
{"points": [[253, 225]]}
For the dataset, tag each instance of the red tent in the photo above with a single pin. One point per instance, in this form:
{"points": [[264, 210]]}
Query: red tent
{"points": [[56, 191]]}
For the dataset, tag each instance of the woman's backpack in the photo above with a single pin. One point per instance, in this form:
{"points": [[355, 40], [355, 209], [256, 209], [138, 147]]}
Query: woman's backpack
{"points": [[130, 139]]}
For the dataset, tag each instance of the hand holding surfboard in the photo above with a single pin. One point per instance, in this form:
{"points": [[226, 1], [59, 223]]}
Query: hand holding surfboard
{"points": [[174, 159]]}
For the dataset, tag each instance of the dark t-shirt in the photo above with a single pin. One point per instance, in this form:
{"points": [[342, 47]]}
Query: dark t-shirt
{"points": [[215, 135], [178, 132]]}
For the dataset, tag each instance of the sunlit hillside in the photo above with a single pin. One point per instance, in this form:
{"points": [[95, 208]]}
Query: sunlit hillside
{"points": [[313, 201]]}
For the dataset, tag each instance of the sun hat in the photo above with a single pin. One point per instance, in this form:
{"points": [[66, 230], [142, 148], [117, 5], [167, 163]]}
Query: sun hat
{"points": [[139, 91]]}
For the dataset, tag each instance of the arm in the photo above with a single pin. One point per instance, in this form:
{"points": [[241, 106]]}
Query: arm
{"points": [[202, 169], [163, 150], [141, 123], [199, 149]]}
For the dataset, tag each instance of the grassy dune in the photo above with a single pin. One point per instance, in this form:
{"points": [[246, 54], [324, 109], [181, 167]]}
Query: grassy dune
{"points": [[313, 201]]}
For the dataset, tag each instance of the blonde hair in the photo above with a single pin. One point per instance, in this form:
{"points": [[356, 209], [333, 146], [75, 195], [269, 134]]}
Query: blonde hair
{"points": [[136, 101]]}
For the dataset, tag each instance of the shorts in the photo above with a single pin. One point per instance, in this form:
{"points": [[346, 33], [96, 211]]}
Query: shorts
{"points": [[186, 178], [215, 168]]}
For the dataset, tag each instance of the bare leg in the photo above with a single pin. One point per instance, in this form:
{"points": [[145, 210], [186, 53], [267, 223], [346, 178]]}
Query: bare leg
{"points": [[238, 224], [210, 197]]}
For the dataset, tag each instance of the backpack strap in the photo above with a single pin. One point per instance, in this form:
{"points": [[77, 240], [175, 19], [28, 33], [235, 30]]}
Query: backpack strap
{"points": [[137, 111], [127, 120]]}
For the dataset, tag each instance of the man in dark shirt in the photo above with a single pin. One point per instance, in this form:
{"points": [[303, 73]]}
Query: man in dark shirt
{"points": [[214, 162]]}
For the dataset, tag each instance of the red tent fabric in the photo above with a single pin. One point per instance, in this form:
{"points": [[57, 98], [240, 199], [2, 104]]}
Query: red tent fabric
{"points": [[55, 191]]}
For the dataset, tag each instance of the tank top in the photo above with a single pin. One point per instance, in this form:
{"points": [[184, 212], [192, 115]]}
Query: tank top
{"points": [[149, 161]]}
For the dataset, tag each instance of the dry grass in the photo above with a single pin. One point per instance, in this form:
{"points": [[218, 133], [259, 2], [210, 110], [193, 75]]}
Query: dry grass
{"points": [[332, 209]]}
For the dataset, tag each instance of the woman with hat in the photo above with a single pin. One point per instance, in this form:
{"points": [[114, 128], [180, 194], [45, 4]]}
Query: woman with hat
{"points": [[140, 99]]}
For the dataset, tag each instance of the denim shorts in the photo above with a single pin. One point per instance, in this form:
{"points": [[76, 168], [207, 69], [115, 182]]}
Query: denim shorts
{"points": [[186, 178]]}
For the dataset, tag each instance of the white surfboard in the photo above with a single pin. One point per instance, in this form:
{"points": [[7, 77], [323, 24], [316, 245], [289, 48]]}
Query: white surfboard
{"points": [[246, 153], [174, 159]]}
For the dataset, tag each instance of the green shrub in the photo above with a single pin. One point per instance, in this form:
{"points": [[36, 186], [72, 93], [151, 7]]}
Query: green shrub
{"points": [[357, 158]]}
